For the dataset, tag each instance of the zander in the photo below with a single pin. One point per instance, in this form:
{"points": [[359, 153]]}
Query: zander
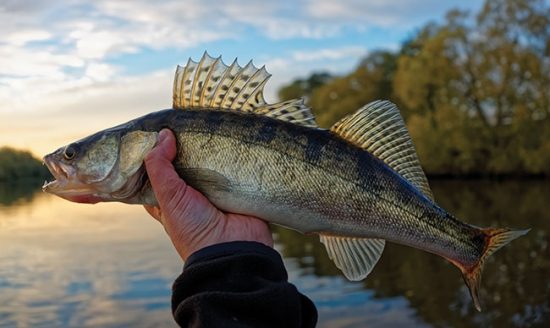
{"points": [[357, 185]]}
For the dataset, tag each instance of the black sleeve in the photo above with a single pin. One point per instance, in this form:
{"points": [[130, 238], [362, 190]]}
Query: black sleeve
{"points": [[239, 284]]}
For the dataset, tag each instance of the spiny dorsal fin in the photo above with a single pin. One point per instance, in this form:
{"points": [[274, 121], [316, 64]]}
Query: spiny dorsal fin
{"points": [[203, 71], [210, 84], [356, 257], [378, 128], [183, 84]]}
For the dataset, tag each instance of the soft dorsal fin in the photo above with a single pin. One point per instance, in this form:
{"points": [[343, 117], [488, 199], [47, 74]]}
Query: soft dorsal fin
{"points": [[210, 84], [379, 128], [294, 111], [356, 257]]}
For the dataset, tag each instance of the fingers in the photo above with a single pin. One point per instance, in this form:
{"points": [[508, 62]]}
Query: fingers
{"points": [[173, 194], [165, 181]]}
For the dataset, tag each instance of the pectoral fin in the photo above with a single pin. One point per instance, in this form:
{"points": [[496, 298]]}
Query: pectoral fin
{"points": [[356, 257], [205, 180]]}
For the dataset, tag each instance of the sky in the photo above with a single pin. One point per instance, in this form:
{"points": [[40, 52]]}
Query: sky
{"points": [[69, 68]]}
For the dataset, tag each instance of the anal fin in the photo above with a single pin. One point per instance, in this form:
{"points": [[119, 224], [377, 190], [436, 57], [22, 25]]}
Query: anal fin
{"points": [[356, 257]]}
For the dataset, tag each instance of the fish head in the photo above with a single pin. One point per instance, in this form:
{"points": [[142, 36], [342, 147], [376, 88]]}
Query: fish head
{"points": [[106, 166]]}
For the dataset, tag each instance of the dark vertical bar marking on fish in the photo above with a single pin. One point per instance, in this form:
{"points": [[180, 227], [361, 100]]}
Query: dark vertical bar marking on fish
{"points": [[213, 121], [266, 133], [314, 149]]}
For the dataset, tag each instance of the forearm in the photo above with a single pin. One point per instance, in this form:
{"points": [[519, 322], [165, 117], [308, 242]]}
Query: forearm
{"points": [[239, 284]]}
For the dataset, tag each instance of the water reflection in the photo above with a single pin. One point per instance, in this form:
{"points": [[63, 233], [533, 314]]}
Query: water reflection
{"points": [[74, 265], [110, 265], [515, 287], [21, 191]]}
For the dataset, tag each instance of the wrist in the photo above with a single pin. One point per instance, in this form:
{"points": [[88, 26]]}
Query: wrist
{"points": [[226, 229]]}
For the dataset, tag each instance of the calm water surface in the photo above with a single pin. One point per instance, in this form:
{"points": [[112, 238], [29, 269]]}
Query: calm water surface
{"points": [[110, 265]]}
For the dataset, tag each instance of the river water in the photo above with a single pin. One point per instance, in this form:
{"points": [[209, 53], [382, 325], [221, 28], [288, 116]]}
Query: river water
{"points": [[111, 265]]}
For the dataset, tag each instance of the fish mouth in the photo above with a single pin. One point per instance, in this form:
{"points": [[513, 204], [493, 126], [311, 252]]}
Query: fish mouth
{"points": [[59, 171], [66, 183]]}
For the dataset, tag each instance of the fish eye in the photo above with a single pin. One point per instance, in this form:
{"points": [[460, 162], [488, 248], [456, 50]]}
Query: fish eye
{"points": [[70, 152]]}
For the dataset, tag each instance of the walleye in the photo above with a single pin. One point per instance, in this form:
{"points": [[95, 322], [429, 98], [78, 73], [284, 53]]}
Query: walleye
{"points": [[357, 185]]}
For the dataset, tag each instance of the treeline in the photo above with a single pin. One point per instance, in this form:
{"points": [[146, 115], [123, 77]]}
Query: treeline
{"points": [[17, 164], [474, 90]]}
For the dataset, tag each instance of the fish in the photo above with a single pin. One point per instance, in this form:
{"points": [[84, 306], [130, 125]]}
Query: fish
{"points": [[357, 185]]}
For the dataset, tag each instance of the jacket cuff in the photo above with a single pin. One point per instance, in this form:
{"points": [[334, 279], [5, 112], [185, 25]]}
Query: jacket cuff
{"points": [[230, 248]]}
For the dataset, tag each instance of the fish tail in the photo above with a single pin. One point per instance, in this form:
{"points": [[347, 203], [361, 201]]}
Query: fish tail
{"points": [[495, 238]]}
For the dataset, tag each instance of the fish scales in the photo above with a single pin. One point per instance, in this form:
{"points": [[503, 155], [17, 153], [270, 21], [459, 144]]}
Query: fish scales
{"points": [[279, 173]]}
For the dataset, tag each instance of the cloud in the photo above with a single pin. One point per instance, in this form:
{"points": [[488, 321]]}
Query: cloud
{"points": [[100, 72], [20, 62], [48, 50], [379, 13], [59, 113], [20, 38], [374, 12], [73, 110], [300, 63], [330, 54], [95, 30], [63, 56]]}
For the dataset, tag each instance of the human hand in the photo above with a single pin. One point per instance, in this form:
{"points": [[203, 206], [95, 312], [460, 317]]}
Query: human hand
{"points": [[188, 217]]}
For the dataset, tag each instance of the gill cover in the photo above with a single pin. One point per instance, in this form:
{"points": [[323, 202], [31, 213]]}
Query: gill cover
{"points": [[126, 184], [98, 160], [134, 146]]}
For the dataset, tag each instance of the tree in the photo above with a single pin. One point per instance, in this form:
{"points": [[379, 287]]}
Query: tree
{"points": [[371, 80], [473, 90], [18, 164], [493, 73], [303, 88]]}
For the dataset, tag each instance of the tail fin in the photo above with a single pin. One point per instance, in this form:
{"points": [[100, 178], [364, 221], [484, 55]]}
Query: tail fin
{"points": [[494, 240]]}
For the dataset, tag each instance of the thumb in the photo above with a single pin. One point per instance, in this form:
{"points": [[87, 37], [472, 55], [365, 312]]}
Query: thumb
{"points": [[164, 179]]}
